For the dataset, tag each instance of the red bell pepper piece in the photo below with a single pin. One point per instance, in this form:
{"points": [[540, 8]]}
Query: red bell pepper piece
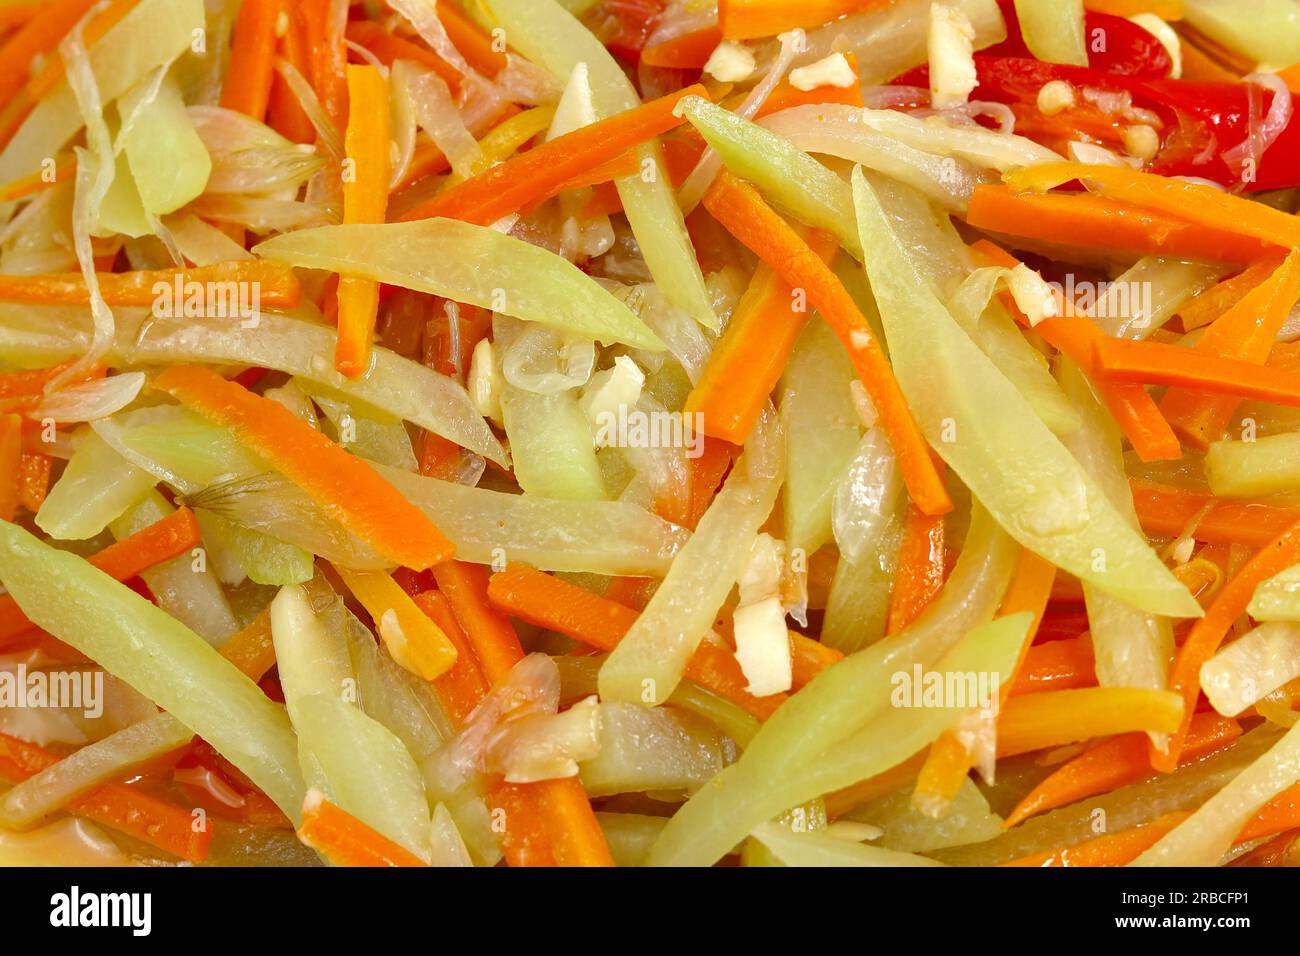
{"points": [[1115, 44]]}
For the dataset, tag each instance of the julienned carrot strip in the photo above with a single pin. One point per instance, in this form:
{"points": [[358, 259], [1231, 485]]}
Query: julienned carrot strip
{"points": [[1206, 206], [330, 58], [748, 360], [1112, 849], [557, 809], [689, 51], [706, 475], [1085, 219], [11, 455], [921, 569], [950, 761], [545, 600], [345, 840], [252, 58], [751, 19], [1208, 632], [1291, 77], [478, 49], [1037, 721], [1057, 665], [1132, 408], [365, 200], [542, 171], [745, 214], [207, 287], [40, 35], [1164, 511], [387, 48], [1164, 9], [284, 113], [1159, 363], [174, 535], [123, 807], [39, 181], [1217, 300], [1116, 762], [18, 15], [251, 648], [348, 489], [1245, 332], [33, 480], [99, 24], [462, 687], [1280, 813]]}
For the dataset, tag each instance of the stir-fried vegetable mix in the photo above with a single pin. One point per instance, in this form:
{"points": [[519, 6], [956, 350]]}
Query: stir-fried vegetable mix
{"points": [[582, 433]]}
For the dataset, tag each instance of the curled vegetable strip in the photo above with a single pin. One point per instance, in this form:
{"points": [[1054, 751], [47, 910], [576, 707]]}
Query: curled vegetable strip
{"points": [[158, 656], [984, 148], [1051, 506], [648, 663], [472, 264], [774, 771], [93, 400], [551, 37]]}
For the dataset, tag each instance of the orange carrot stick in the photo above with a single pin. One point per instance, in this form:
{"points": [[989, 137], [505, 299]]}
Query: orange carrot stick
{"points": [[921, 569], [39, 181], [284, 113], [1217, 300], [251, 648], [1132, 408], [1116, 762], [11, 454], [1164, 9], [1056, 665], [1158, 363], [34, 480], [751, 355], [751, 19], [123, 807], [462, 687], [345, 840], [531, 176], [275, 283], [165, 539], [252, 58], [95, 28], [39, 36], [740, 208], [1208, 632], [1038, 721], [558, 808], [1206, 206], [1246, 333], [1085, 219], [365, 200], [706, 474], [349, 490], [690, 51], [1113, 849], [478, 49], [1165, 511]]}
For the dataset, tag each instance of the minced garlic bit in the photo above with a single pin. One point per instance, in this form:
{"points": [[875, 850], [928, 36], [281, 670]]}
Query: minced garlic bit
{"points": [[610, 390], [762, 642], [1034, 297], [833, 70], [1167, 37], [1141, 141], [730, 62], [1055, 96], [951, 49], [485, 381]]}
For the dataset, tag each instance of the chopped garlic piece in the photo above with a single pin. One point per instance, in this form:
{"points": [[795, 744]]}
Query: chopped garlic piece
{"points": [[866, 408], [1167, 37], [1033, 295], [1141, 141], [1055, 96], [610, 390], [761, 578], [730, 62], [545, 746], [485, 381], [575, 109], [833, 70], [1095, 155], [763, 647], [951, 48], [1183, 550]]}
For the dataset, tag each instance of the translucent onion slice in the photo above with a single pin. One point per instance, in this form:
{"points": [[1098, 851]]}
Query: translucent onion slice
{"points": [[91, 401], [985, 148], [867, 498], [249, 157], [1252, 666], [658, 749]]}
